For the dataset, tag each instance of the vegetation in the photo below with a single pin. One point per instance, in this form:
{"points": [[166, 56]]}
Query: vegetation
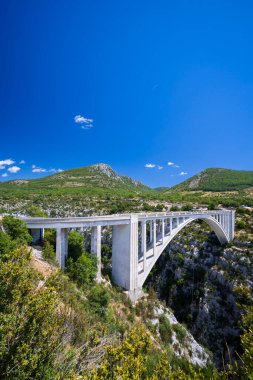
{"points": [[83, 270], [64, 325], [214, 179], [16, 229]]}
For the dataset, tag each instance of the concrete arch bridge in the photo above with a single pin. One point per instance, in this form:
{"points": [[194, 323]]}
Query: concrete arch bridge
{"points": [[137, 239]]}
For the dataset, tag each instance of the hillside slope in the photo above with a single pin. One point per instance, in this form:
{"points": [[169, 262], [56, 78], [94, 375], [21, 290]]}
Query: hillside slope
{"points": [[217, 179], [81, 180]]}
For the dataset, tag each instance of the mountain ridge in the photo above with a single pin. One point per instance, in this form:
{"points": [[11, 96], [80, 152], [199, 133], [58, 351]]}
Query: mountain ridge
{"points": [[217, 179], [103, 177]]}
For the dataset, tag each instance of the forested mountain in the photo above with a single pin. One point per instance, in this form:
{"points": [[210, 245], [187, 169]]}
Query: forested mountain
{"points": [[218, 179], [93, 177]]}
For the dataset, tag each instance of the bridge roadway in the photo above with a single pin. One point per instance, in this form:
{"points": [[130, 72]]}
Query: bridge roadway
{"points": [[138, 239]]}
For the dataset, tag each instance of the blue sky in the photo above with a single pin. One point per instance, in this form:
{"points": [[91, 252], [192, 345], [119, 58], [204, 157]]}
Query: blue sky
{"points": [[128, 83]]}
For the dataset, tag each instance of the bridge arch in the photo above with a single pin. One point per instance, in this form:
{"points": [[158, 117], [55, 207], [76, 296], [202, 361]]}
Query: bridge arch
{"points": [[211, 221]]}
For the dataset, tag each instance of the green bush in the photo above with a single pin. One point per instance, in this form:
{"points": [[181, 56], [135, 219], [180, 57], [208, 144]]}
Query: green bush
{"points": [[75, 245], [180, 331], [31, 323], [240, 224], [106, 255], [174, 208], [50, 236], [187, 207], [16, 229], [6, 243], [35, 211], [48, 252], [83, 271], [98, 299], [165, 329]]}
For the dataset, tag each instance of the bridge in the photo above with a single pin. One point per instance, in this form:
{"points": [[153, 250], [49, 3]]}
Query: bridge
{"points": [[137, 239]]}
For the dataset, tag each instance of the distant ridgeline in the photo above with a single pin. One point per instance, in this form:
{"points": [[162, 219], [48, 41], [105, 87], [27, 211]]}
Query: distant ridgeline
{"points": [[215, 179], [101, 179], [95, 179]]}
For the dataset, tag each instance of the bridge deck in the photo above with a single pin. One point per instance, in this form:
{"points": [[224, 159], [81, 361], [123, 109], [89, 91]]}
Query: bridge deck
{"points": [[110, 220]]}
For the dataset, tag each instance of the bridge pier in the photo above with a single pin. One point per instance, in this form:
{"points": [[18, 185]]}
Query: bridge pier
{"points": [[144, 242], [125, 257], [151, 231], [163, 229], [96, 248], [61, 246], [154, 237]]}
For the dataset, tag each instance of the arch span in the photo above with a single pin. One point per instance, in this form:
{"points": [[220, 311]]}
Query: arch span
{"points": [[211, 221]]}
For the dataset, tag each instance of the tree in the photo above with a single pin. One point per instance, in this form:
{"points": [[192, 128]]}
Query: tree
{"points": [[75, 245], [32, 324], [35, 211], [16, 229], [245, 369], [6, 243], [174, 208], [48, 252], [83, 271], [98, 299]]}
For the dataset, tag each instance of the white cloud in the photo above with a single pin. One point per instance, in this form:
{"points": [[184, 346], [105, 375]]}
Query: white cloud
{"points": [[84, 122], [22, 162], [183, 173], [9, 161], [173, 165], [160, 167], [13, 169], [2, 167], [150, 166], [38, 170], [5, 175], [56, 170]]}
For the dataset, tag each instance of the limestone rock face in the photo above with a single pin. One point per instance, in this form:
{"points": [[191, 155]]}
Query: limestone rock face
{"points": [[187, 348], [198, 279]]}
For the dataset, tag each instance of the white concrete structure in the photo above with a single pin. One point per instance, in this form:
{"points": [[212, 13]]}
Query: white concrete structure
{"points": [[137, 240]]}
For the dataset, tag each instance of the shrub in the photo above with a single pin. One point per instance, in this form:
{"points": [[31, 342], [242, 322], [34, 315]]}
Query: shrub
{"points": [[35, 211], [6, 243], [165, 329], [174, 208], [186, 207], [75, 245], [240, 225], [180, 331], [16, 229], [48, 252], [31, 323], [83, 271], [99, 299], [50, 236]]}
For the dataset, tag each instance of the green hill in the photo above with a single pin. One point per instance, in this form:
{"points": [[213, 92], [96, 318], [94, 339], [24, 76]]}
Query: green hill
{"points": [[217, 179], [98, 178]]}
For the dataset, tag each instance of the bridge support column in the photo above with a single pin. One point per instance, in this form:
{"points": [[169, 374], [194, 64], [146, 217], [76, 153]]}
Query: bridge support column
{"points": [[96, 248], [170, 226], [151, 231], [232, 225], [154, 237], [144, 242], [163, 230], [61, 246], [125, 257]]}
